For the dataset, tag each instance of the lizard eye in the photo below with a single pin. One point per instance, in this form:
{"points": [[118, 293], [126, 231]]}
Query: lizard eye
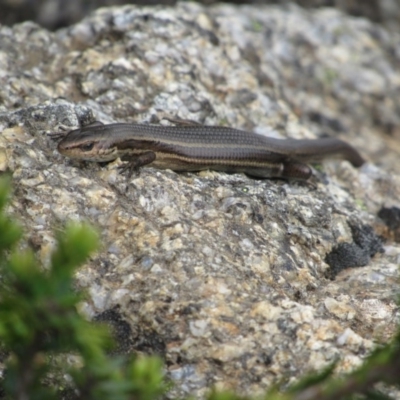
{"points": [[87, 146]]}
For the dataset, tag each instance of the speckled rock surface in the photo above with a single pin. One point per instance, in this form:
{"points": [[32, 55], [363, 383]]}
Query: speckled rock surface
{"points": [[225, 277], [54, 14]]}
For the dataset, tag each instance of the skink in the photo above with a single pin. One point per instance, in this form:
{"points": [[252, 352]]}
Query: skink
{"points": [[200, 147]]}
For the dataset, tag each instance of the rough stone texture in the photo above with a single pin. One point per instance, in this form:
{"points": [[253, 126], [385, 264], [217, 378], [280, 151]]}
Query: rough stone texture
{"points": [[54, 14], [223, 276]]}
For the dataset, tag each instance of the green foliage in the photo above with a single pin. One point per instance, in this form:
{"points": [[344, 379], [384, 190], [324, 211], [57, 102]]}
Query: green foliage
{"points": [[224, 396], [11, 233], [314, 378]]}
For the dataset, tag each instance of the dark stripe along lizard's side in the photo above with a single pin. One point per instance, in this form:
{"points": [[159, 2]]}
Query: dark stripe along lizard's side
{"points": [[199, 147]]}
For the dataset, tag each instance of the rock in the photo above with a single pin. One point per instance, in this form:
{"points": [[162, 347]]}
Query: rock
{"points": [[221, 275]]}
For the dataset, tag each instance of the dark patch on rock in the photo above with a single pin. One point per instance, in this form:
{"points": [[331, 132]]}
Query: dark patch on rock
{"points": [[391, 218], [120, 330], [128, 340], [357, 254]]}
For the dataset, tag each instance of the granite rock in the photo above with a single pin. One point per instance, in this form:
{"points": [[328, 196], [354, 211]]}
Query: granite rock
{"points": [[223, 276]]}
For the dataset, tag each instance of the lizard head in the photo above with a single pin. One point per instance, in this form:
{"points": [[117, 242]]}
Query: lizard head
{"points": [[87, 143]]}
